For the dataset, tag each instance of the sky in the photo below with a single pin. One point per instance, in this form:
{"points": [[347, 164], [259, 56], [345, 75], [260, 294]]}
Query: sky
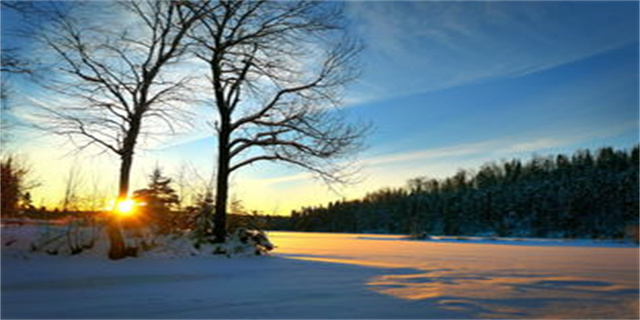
{"points": [[445, 86]]}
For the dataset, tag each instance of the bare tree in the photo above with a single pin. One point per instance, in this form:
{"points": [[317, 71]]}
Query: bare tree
{"points": [[114, 75], [275, 69], [96, 199], [73, 182]]}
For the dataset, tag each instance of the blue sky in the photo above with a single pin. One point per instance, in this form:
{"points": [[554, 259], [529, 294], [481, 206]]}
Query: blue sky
{"points": [[449, 85]]}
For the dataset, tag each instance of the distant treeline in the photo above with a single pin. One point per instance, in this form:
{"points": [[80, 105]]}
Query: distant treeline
{"points": [[584, 195]]}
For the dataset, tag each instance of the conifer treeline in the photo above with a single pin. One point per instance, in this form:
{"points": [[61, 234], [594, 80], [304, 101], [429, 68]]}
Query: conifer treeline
{"points": [[584, 195]]}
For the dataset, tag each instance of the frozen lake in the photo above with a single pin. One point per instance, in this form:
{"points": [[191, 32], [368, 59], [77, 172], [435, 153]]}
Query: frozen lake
{"points": [[321, 275]]}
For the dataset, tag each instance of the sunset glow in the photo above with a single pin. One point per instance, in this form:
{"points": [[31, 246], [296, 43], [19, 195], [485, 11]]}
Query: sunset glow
{"points": [[389, 159], [125, 208]]}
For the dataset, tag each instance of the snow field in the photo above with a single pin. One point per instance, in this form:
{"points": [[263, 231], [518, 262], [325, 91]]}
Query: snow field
{"points": [[322, 275]]}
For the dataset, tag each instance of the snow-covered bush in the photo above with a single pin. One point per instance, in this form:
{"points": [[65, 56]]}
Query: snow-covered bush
{"points": [[243, 242]]}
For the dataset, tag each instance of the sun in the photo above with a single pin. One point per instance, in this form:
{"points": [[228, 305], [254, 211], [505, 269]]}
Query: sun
{"points": [[125, 207]]}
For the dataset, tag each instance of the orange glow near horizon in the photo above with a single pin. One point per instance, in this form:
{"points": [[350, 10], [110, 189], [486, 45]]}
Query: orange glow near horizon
{"points": [[123, 208]]}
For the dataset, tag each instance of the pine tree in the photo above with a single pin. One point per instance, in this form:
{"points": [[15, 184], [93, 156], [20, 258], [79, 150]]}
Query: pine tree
{"points": [[159, 200], [583, 195], [12, 186]]}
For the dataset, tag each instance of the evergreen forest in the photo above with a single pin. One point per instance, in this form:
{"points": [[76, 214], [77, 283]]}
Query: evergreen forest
{"points": [[584, 195]]}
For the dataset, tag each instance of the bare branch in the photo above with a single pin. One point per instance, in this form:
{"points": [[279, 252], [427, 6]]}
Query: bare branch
{"points": [[275, 70]]}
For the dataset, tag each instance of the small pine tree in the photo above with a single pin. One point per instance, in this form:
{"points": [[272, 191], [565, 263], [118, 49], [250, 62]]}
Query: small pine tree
{"points": [[159, 200], [202, 212]]}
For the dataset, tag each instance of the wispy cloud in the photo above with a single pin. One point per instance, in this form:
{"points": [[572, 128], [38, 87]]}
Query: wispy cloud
{"points": [[432, 45], [495, 148], [430, 154], [302, 176]]}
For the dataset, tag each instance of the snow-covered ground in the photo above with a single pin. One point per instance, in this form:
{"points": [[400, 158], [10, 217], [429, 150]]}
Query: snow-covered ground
{"points": [[321, 275]]}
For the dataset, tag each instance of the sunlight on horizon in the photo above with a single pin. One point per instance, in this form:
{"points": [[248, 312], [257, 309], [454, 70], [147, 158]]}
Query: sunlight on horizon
{"points": [[123, 208]]}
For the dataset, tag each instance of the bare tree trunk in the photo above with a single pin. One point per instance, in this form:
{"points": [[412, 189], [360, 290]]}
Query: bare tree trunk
{"points": [[117, 248], [116, 239], [222, 182], [125, 172]]}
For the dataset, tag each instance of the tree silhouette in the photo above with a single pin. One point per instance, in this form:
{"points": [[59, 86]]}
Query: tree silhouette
{"points": [[562, 196], [114, 77], [12, 179], [14, 185], [159, 199], [274, 68]]}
